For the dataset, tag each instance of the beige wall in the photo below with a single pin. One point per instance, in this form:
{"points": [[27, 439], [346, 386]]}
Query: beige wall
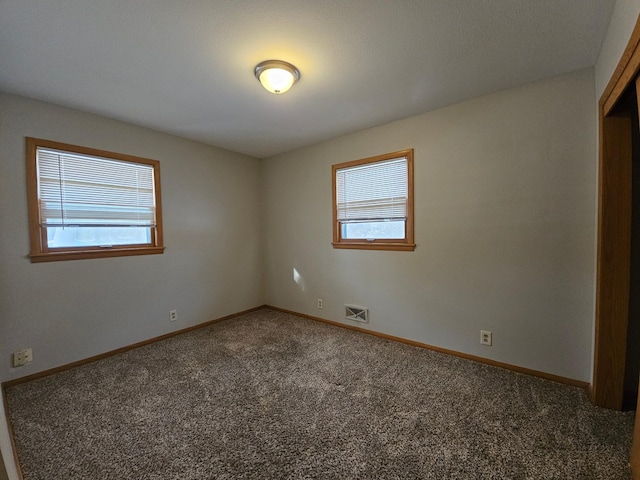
{"points": [[505, 221], [68, 311]]}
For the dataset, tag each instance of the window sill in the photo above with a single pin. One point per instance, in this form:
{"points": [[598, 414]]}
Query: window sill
{"points": [[85, 254], [403, 247]]}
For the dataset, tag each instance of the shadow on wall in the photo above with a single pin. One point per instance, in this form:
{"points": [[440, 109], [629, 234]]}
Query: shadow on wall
{"points": [[3, 470]]}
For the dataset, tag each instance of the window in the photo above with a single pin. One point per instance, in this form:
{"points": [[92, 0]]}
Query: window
{"points": [[86, 203], [373, 203]]}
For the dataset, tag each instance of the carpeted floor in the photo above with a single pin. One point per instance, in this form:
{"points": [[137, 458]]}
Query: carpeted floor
{"points": [[272, 396]]}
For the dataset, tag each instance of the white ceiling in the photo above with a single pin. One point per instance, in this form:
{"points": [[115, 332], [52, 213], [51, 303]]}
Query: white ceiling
{"points": [[186, 66]]}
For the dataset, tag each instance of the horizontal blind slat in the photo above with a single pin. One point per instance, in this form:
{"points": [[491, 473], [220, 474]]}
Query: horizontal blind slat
{"points": [[86, 189], [374, 191]]}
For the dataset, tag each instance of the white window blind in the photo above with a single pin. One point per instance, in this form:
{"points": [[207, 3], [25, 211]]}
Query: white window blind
{"points": [[84, 190], [373, 191]]}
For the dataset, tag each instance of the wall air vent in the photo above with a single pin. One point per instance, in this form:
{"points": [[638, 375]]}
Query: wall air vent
{"points": [[359, 314]]}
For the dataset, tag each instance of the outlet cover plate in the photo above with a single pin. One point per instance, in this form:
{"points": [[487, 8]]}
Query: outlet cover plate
{"points": [[486, 338], [22, 357]]}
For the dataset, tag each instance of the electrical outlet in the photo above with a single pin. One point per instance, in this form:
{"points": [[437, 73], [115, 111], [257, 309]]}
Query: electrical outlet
{"points": [[486, 338], [320, 303], [173, 315], [22, 357]]}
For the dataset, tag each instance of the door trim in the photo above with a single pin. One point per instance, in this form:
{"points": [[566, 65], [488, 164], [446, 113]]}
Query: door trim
{"points": [[614, 222]]}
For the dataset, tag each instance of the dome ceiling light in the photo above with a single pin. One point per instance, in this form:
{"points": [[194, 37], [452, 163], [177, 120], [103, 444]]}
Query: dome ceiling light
{"points": [[276, 76]]}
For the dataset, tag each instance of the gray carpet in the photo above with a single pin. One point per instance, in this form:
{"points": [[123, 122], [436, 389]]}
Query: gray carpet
{"points": [[272, 396]]}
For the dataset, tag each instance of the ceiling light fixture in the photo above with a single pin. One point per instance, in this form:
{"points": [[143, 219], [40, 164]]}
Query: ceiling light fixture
{"points": [[277, 76]]}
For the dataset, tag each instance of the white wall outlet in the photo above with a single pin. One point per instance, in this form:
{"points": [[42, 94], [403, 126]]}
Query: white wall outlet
{"points": [[485, 338], [173, 315], [22, 357], [320, 303]]}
